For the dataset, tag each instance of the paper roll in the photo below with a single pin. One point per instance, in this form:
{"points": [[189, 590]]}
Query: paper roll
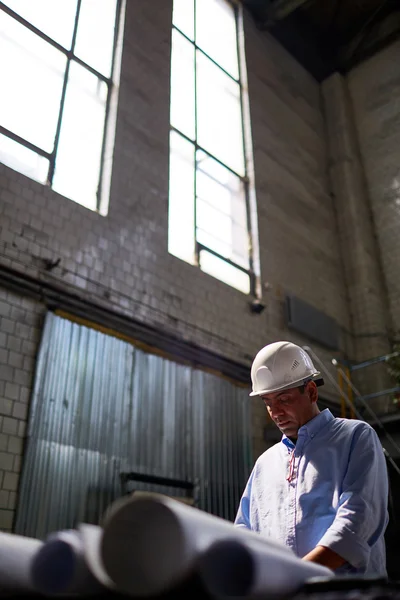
{"points": [[150, 544], [61, 566], [92, 537], [250, 568], [16, 555]]}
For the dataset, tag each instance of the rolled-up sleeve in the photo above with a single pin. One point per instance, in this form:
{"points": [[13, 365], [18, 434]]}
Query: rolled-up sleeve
{"points": [[243, 514], [362, 515]]}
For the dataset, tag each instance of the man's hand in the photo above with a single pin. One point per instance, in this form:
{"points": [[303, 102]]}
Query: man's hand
{"points": [[326, 557]]}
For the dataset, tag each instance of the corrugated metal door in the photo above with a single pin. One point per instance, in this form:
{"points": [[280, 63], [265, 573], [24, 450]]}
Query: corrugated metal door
{"points": [[101, 407]]}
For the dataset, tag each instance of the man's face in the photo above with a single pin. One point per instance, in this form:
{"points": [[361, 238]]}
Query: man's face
{"points": [[290, 409]]}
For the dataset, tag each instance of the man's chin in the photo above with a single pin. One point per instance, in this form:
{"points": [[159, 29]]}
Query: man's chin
{"points": [[288, 430]]}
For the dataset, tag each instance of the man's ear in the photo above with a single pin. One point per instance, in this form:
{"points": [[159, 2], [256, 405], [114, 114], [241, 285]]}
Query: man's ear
{"points": [[312, 391]]}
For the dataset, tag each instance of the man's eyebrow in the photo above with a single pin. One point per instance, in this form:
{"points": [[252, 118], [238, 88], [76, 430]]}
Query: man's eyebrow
{"points": [[265, 398]]}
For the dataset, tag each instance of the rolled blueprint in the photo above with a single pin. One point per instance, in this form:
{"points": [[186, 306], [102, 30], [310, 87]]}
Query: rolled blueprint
{"points": [[152, 543], [61, 566], [92, 537], [16, 555], [252, 568]]}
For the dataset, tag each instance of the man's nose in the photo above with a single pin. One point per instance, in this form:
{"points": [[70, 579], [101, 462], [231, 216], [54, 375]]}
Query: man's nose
{"points": [[276, 411]]}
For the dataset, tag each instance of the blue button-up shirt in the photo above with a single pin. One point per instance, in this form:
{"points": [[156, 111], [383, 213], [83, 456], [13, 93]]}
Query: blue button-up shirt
{"points": [[337, 496]]}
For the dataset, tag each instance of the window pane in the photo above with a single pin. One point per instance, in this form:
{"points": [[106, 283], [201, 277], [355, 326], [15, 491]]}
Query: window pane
{"points": [[224, 272], [32, 74], [56, 19], [214, 222], [79, 149], [219, 115], [181, 240], [23, 160], [95, 43], [217, 232], [182, 85], [211, 242], [240, 246], [216, 33], [183, 17], [221, 210], [212, 181]]}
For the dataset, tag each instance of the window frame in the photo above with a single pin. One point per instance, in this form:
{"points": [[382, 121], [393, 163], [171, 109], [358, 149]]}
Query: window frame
{"points": [[243, 178], [70, 56]]}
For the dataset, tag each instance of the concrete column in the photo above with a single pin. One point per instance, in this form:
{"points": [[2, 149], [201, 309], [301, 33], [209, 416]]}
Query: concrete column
{"points": [[359, 248]]}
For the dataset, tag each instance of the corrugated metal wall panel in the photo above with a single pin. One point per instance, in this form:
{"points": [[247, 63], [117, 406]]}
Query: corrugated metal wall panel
{"points": [[101, 407]]}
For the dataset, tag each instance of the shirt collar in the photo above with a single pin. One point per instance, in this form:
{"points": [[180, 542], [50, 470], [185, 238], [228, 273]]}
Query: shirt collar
{"points": [[311, 428]]}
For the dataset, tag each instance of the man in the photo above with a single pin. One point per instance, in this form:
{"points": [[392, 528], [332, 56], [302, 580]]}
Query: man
{"points": [[323, 489]]}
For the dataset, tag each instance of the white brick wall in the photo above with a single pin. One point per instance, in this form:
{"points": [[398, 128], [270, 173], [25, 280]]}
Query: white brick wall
{"points": [[358, 245], [375, 90], [20, 326], [298, 237]]}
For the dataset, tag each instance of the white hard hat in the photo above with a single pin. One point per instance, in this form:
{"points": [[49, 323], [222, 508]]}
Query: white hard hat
{"points": [[281, 366]]}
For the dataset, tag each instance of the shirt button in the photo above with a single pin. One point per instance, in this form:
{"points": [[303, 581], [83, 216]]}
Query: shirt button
{"points": [[312, 435]]}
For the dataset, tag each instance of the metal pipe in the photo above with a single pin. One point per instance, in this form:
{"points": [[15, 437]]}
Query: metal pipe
{"points": [[382, 393], [373, 361]]}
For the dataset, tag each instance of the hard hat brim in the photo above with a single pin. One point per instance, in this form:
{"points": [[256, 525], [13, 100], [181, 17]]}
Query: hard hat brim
{"points": [[316, 378]]}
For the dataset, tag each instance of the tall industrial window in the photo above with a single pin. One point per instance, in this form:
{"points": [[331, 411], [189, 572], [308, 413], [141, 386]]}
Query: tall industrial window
{"points": [[209, 213], [57, 71]]}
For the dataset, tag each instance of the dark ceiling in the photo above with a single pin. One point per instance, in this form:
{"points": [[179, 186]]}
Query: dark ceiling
{"points": [[329, 35]]}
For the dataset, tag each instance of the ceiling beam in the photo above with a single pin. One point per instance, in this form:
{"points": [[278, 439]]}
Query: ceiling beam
{"points": [[271, 11], [370, 40], [323, 52], [280, 9]]}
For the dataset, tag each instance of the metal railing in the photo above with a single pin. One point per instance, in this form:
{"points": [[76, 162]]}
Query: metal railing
{"points": [[357, 397]]}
